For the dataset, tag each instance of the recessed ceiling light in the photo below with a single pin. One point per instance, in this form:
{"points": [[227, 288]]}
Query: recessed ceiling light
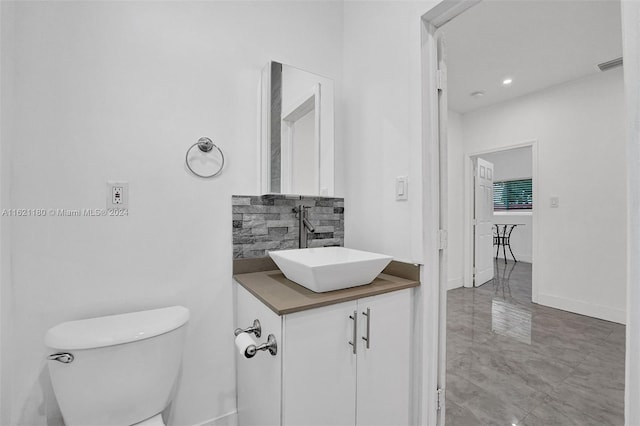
{"points": [[477, 94], [507, 81]]}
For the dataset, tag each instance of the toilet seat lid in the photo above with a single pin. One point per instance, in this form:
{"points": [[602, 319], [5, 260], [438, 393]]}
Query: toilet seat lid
{"points": [[115, 329]]}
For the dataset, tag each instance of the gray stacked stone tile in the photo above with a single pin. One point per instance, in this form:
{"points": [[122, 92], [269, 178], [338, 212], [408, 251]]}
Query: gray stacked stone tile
{"points": [[267, 222]]}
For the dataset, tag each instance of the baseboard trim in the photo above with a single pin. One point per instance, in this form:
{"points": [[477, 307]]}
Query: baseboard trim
{"points": [[583, 308], [455, 283], [229, 419]]}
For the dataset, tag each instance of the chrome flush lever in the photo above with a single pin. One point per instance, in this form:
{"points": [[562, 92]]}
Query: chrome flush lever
{"points": [[63, 357]]}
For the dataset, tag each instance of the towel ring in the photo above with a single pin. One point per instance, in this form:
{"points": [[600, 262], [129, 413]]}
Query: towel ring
{"points": [[205, 145]]}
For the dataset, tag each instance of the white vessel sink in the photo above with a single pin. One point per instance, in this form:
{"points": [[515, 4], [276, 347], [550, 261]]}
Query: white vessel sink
{"points": [[330, 268]]}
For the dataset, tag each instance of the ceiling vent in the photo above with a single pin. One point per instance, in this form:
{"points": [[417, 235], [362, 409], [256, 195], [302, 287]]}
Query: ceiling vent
{"points": [[614, 63]]}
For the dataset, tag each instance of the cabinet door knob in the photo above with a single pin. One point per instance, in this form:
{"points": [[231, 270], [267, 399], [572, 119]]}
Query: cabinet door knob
{"points": [[353, 343], [368, 338]]}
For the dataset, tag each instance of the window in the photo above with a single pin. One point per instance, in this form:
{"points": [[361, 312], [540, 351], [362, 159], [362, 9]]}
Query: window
{"points": [[513, 195]]}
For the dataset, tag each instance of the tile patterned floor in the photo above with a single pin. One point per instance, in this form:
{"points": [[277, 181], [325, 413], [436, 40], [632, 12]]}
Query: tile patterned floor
{"points": [[512, 362]]}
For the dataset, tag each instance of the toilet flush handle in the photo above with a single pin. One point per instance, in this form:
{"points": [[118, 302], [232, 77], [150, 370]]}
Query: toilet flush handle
{"points": [[63, 357]]}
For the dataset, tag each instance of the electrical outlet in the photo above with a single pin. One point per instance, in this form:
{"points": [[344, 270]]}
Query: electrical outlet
{"points": [[117, 195]]}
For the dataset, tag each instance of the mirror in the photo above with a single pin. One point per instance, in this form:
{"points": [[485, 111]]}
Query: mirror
{"points": [[297, 135]]}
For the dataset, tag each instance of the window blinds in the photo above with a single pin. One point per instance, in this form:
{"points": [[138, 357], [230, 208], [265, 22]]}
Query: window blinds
{"points": [[513, 195]]}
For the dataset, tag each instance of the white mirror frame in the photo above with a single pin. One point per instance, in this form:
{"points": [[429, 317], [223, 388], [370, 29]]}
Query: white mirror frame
{"points": [[264, 141]]}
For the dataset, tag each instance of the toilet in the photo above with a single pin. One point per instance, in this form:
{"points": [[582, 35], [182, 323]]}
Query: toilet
{"points": [[117, 370]]}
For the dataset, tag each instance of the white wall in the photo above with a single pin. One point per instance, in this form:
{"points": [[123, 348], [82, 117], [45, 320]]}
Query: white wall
{"points": [[6, 84], [120, 90], [455, 195], [580, 130], [511, 164], [382, 131], [514, 164]]}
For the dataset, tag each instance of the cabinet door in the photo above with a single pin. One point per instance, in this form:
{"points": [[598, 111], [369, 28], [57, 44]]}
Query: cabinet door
{"points": [[383, 368], [319, 367]]}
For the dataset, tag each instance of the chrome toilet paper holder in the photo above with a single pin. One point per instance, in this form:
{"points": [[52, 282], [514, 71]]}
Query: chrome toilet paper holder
{"points": [[271, 345], [255, 329]]}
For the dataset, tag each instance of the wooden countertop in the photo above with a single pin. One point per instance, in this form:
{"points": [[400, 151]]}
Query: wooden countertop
{"points": [[283, 296]]}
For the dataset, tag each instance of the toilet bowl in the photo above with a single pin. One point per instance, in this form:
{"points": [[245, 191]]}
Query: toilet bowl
{"points": [[117, 370]]}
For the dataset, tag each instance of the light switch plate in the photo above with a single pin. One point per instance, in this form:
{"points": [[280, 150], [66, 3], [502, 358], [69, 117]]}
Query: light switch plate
{"points": [[555, 202], [402, 188]]}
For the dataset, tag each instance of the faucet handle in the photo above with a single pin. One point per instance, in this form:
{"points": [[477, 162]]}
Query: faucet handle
{"points": [[300, 208]]}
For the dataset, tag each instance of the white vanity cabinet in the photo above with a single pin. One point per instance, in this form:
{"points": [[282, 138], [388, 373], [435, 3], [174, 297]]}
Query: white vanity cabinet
{"points": [[321, 378]]}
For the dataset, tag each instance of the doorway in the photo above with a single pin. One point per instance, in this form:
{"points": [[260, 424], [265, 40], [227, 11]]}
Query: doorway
{"points": [[587, 304], [514, 170]]}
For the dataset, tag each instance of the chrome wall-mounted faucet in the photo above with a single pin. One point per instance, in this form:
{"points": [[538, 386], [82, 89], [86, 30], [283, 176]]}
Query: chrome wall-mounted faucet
{"points": [[303, 225]]}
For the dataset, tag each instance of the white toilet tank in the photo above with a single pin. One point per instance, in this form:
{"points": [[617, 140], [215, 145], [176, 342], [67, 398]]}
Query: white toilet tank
{"points": [[123, 368]]}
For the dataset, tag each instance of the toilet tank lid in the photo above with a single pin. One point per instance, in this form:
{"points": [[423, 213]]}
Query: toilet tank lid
{"points": [[115, 329]]}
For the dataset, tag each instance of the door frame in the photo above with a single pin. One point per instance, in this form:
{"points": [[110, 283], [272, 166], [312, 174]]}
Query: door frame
{"points": [[428, 405], [468, 211], [631, 66]]}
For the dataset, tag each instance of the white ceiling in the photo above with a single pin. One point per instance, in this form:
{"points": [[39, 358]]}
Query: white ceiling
{"points": [[536, 43]]}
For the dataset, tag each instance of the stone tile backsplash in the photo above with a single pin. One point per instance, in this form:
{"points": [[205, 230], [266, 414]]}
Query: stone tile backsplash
{"points": [[267, 222]]}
